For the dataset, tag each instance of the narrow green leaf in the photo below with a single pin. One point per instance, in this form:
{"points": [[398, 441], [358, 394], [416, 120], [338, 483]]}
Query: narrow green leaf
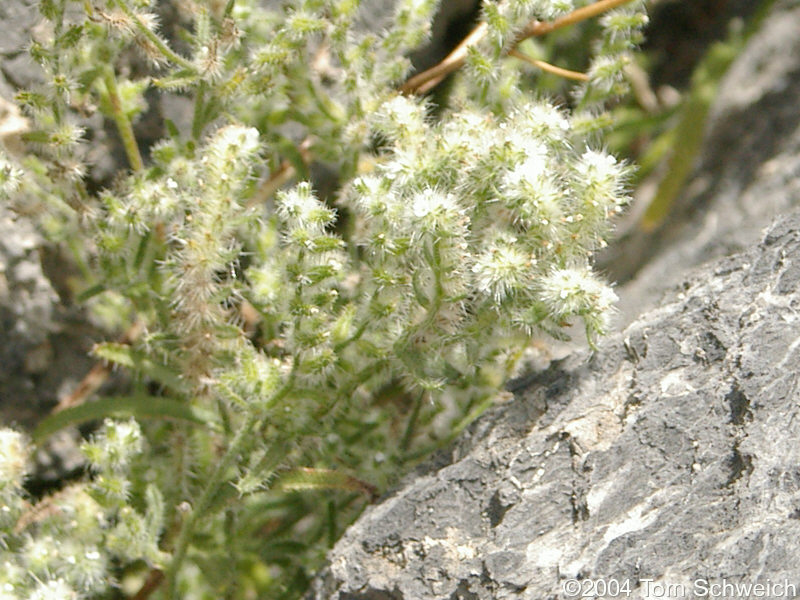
{"points": [[139, 407], [91, 292], [306, 478], [154, 516], [419, 291], [138, 361], [36, 136]]}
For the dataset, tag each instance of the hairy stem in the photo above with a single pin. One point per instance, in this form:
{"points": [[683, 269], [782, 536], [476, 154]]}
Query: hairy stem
{"points": [[162, 47], [216, 481], [122, 121]]}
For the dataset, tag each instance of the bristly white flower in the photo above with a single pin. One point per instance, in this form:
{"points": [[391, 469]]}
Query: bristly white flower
{"points": [[543, 121], [598, 166], [622, 23], [66, 136], [41, 554], [374, 197], [85, 567], [300, 209], [606, 72], [534, 166], [232, 148], [576, 291], [545, 10], [433, 211], [55, 589], [114, 445], [553, 9], [599, 179], [400, 117], [267, 282], [10, 177], [502, 270], [14, 453]]}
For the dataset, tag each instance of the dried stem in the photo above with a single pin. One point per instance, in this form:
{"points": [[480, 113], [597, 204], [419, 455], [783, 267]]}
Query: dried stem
{"points": [[422, 82], [536, 28], [150, 585], [427, 80], [281, 175], [545, 66]]}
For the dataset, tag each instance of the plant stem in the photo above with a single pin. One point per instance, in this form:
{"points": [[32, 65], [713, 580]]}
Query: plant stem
{"points": [[215, 482], [199, 107], [427, 80], [122, 121], [412, 422], [168, 53], [423, 82], [576, 16], [545, 66]]}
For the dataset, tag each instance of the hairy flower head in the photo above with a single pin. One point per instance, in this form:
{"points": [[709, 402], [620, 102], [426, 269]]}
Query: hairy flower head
{"points": [[502, 270], [114, 445], [14, 453], [230, 151], [576, 291], [299, 208], [432, 211]]}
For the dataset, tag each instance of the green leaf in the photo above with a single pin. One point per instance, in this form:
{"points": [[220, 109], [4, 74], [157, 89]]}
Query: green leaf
{"points": [[87, 77], [419, 291], [305, 478], [36, 136], [138, 361], [70, 37], [91, 292], [288, 149], [180, 79], [139, 407], [154, 516]]}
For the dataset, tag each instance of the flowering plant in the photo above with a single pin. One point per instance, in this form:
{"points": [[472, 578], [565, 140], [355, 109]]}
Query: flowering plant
{"points": [[285, 342]]}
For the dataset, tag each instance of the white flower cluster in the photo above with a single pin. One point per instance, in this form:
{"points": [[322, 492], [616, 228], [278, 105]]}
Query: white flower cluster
{"points": [[13, 458], [10, 177], [66, 543], [480, 215]]}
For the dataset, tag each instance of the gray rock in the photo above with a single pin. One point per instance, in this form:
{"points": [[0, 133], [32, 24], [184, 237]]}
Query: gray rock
{"points": [[27, 307], [665, 462], [748, 173], [44, 345], [18, 18], [669, 456]]}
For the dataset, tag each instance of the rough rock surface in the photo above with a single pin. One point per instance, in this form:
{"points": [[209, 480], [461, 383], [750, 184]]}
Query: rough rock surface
{"points": [[748, 173], [667, 458], [27, 307], [44, 340], [670, 456]]}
